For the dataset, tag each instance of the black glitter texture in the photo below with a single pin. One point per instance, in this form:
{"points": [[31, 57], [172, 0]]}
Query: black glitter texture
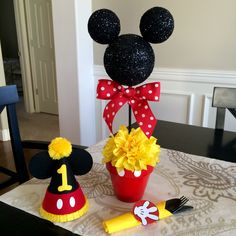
{"points": [[104, 26], [156, 25], [129, 60]]}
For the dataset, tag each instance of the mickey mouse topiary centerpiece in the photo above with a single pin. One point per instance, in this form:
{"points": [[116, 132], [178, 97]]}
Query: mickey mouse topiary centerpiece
{"points": [[64, 199], [129, 60]]}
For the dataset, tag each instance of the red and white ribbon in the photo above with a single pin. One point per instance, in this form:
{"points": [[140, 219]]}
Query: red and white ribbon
{"points": [[137, 98]]}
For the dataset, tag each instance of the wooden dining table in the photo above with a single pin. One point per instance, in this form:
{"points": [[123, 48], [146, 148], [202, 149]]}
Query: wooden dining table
{"points": [[195, 161]]}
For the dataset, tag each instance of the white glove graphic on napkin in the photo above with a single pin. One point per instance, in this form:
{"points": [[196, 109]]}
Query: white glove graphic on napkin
{"points": [[143, 212]]}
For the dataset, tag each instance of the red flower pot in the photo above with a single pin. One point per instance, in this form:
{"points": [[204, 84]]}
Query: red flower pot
{"points": [[129, 186]]}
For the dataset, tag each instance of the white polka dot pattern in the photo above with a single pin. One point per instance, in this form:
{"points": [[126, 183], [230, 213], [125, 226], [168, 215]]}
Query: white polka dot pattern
{"points": [[72, 201], [137, 98], [59, 204]]}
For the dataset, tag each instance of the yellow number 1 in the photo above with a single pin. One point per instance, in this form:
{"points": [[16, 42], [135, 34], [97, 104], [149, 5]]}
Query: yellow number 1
{"points": [[63, 171]]}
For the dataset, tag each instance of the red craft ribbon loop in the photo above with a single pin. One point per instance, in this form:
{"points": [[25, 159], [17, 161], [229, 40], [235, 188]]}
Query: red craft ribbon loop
{"points": [[137, 98]]}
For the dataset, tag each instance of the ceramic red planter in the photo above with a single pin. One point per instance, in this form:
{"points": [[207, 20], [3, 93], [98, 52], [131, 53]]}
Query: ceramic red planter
{"points": [[129, 186]]}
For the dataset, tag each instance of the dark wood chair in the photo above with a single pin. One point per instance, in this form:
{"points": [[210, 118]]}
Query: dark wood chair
{"points": [[223, 98], [8, 99]]}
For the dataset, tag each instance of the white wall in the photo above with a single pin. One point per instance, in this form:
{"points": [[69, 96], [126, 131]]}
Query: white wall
{"points": [[4, 132], [74, 65], [203, 38]]}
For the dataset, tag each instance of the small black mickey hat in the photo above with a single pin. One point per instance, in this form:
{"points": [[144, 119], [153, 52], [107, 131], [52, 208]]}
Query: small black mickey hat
{"points": [[64, 199]]}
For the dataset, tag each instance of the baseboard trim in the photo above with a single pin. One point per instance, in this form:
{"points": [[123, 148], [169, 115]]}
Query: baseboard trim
{"points": [[4, 135]]}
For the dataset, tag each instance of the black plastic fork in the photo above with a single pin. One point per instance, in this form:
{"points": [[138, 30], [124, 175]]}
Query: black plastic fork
{"points": [[177, 205]]}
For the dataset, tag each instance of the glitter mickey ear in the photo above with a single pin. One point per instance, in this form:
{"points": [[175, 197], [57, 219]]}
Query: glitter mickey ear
{"points": [[156, 25], [104, 26]]}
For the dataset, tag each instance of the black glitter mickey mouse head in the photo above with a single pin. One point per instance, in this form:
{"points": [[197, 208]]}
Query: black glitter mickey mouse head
{"points": [[129, 58]]}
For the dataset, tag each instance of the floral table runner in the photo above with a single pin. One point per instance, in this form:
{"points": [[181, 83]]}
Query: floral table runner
{"points": [[209, 184]]}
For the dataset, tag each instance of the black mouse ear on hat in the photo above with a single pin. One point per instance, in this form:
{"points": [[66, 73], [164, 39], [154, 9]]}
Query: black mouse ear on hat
{"points": [[80, 161], [40, 165], [156, 25], [104, 26]]}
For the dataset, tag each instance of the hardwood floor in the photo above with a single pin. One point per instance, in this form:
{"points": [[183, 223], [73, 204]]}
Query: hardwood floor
{"points": [[6, 160], [37, 126]]}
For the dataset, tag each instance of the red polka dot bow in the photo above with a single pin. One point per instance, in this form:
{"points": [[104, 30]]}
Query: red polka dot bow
{"points": [[137, 98]]}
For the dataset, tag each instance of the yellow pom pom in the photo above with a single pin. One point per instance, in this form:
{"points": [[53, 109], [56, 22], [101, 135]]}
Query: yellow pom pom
{"points": [[131, 151], [59, 148]]}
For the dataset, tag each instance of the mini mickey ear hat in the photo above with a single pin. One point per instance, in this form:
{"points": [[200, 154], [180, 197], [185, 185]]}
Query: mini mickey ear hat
{"points": [[64, 199]]}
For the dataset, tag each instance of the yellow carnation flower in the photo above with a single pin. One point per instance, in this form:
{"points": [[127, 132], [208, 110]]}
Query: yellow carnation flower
{"points": [[131, 151], [59, 148]]}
